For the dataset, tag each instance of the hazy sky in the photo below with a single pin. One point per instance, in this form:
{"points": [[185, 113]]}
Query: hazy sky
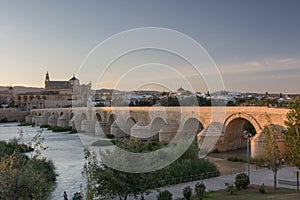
{"points": [[255, 44]]}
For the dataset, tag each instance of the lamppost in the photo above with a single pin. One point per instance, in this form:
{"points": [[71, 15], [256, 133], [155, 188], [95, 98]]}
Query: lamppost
{"points": [[248, 136]]}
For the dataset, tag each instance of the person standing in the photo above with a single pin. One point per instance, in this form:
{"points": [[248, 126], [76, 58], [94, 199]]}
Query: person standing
{"points": [[65, 195], [75, 196]]}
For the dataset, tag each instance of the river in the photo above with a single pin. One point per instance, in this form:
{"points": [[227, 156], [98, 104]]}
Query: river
{"points": [[65, 150]]}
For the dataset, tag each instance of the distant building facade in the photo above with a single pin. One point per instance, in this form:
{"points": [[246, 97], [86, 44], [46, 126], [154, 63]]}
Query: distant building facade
{"points": [[55, 94], [7, 97]]}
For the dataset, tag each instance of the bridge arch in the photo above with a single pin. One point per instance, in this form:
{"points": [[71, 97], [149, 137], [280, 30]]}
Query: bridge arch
{"points": [[110, 120], [233, 133], [191, 127], [241, 115]]}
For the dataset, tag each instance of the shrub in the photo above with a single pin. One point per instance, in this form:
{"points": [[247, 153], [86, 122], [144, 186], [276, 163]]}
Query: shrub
{"points": [[73, 131], [199, 190], [230, 188], [24, 124], [187, 192], [110, 136], [4, 120], [44, 126], [242, 181], [262, 189], [60, 129], [164, 195], [102, 143], [236, 159]]}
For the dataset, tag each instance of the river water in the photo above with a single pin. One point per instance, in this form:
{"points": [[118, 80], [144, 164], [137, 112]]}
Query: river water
{"points": [[65, 150]]}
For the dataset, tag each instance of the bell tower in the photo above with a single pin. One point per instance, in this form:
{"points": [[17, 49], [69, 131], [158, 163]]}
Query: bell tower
{"points": [[47, 79]]}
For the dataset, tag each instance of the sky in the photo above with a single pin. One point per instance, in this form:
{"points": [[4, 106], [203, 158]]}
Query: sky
{"points": [[255, 45]]}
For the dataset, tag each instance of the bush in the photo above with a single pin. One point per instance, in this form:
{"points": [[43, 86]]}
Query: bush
{"points": [[73, 131], [60, 129], [200, 190], [230, 188], [102, 143], [187, 192], [262, 189], [164, 195], [236, 159], [24, 124], [242, 181], [44, 126], [110, 136], [4, 120]]}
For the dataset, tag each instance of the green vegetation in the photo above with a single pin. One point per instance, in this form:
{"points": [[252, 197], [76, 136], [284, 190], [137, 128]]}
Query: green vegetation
{"points": [[44, 126], [231, 189], [102, 143], [271, 149], [187, 192], [72, 131], [164, 195], [25, 124], [262, 189], [10, 147], [60, 129], [4, 120], [251, 193], [291, 135], [102, 180], [200, 190], [236, 159], [24, 177], [241, 181], [110, 136]]}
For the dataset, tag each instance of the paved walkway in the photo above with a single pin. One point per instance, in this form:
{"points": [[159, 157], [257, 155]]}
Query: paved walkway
{"points": [[256, 177]]}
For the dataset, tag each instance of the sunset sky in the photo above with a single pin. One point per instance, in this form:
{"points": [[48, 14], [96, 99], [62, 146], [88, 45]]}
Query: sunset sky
{"points": [[255, 44]]}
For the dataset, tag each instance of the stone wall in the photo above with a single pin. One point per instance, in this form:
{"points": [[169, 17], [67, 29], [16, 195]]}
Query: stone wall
{"points": [[13, 115]]}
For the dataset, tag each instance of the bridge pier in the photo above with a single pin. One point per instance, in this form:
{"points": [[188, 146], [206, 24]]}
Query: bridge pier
{"points": [[117, 131], [52, 120], [167, 133], [63, 120], [87, 126], [101, 128], [28, 119], [44, 119], [35, 120]]}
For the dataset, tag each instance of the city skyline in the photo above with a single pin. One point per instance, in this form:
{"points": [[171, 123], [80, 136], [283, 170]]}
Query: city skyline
{"points": [[255, 44]]}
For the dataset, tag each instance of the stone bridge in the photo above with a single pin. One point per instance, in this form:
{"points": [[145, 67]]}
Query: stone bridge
{"points": [[216, 128]]}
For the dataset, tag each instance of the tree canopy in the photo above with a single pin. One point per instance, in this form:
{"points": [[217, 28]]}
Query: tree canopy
{"points": [[292, 134]]}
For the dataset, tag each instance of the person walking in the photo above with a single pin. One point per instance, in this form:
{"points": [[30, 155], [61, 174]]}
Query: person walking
{"points": [[65, 195]]}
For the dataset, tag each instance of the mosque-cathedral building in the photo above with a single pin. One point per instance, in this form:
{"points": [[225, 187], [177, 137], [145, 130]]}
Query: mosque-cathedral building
{"points": [[56, 94]]}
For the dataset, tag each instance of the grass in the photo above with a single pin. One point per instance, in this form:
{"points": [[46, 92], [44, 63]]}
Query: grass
{"points": [[102, 143], [252, 193], [25, 124]]}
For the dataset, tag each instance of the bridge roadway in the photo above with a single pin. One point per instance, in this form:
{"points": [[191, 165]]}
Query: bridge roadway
{"points": [[218, 128]]}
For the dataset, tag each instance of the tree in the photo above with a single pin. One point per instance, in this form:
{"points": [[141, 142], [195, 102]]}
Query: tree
{"points": [[22, 176], [199, 190], [271, 149], [164, 195], [104, 181], [187, 192], [242, 181], [292, 134]]}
